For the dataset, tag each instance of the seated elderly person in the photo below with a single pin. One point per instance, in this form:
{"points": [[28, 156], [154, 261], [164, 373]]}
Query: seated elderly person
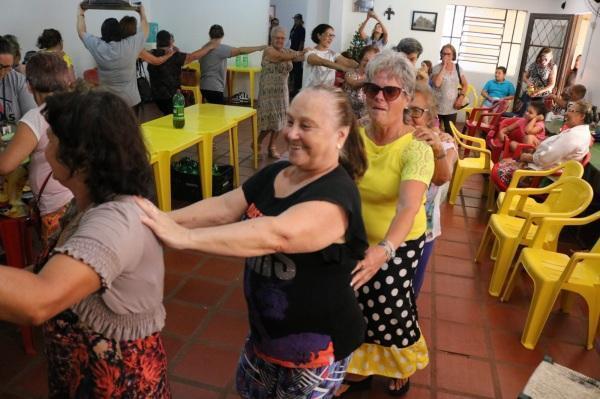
{"points": [[572, 143], [498, 88]]}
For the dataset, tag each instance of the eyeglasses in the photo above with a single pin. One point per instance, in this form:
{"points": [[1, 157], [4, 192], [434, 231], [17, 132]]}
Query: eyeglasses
{"points": [[390, 93], [415, 112]]}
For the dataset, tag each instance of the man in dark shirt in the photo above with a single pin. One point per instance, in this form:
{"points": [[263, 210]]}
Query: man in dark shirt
{"points": [[297, 35], [165, 78]]}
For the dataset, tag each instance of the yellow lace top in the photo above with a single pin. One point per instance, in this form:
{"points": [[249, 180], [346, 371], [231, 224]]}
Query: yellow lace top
{"points": [[389, 165]]}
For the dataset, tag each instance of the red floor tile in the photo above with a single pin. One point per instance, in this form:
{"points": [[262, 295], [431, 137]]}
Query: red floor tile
{"points": [[462, 374], [422, 377], [181, 261], [447, 395], [425, 325], [473, 202], [34, 382], [236, 301], [227, 329], [461, 339], [513, 379], [471, 193], [450, 220], [172, 281], [222, 269], [208, 365], [454, 266], [565, 327], [456, 286], [183, 319], [458, 310], [453, 249], [455, 234], [185, 391], [426, 287], [503, 316], [507, 347], [201, 292], [172, 346]]}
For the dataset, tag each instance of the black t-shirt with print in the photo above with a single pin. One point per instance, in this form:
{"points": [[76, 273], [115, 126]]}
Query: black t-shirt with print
{"points": [[165, 79], [301, 306]]}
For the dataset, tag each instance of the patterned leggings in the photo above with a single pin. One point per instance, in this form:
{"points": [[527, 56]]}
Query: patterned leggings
{"points": [[259, 379]]}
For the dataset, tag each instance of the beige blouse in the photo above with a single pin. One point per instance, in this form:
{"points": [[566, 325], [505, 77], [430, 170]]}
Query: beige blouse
{"points": [[111, 239]]}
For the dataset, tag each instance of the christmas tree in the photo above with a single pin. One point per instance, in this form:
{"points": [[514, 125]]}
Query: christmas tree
{"points": [[356, 45]]}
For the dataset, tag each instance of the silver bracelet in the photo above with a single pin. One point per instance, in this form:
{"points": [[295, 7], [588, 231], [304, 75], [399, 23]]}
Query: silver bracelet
{"points": [[388, 248]]}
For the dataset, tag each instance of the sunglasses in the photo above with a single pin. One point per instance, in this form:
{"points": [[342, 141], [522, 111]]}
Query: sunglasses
{"points": [[390, 93], [415, 112]]}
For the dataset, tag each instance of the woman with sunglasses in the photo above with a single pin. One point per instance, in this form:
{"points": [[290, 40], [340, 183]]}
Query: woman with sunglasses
{"points": [[421, 113], [322, 62], [445, 80], [392, 197]]}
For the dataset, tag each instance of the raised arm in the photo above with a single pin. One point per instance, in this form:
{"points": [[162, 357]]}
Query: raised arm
{"points": [[384, 32], [438, 78], [278, 56], [151, 59], [306, 227], [246, 50], [81, 29], [144, 21], [361, 28], [196, 55]]}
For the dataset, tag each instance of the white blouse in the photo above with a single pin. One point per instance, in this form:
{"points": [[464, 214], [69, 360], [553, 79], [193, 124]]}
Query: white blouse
{"points": [[573, 143]]}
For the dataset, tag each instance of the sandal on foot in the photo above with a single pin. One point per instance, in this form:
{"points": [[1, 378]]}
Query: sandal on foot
{"points": [[402, 391], [357, 386]]}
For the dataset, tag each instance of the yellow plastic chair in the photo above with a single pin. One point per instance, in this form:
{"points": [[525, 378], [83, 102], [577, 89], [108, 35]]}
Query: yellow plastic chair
{"points": [[553, 272], [194, 89], [474, 99], [569, 168], [514, 227], [467, 166]]}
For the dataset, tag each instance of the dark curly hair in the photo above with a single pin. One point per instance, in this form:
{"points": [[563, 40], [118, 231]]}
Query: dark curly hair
{"points": [[99, 136], [49, 38]]}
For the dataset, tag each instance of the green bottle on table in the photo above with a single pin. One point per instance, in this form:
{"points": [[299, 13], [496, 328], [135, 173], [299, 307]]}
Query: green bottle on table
{"points": [[178, 110]]}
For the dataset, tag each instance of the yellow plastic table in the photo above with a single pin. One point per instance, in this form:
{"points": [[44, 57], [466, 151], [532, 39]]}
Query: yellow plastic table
{"points": [[230, 113], [250, 70], [163, 141]]}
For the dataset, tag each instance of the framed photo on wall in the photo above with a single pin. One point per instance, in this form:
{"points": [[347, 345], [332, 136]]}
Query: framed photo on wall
{"points": [[363, 5], [424, 20]]}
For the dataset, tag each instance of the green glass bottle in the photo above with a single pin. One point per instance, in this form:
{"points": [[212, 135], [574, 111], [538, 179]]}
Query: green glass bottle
{"points": [[178, 110]]}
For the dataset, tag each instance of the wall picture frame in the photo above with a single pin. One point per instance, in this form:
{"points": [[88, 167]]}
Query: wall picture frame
{"points": [[424, 21], [363, 5]]}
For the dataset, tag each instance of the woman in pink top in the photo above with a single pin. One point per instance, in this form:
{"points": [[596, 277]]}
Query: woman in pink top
{"points": [[46, 73]]}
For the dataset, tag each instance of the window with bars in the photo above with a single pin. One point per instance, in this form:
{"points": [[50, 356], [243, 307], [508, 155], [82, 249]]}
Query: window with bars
{"points": [[485, 37]]}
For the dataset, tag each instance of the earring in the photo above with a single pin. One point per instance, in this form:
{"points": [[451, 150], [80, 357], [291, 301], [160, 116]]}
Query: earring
{"points": [[339, 146]]}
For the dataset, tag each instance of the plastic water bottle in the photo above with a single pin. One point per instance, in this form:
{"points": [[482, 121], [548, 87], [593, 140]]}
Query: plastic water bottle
{"points": [[238, 61], [245, 60], [178, 110]]}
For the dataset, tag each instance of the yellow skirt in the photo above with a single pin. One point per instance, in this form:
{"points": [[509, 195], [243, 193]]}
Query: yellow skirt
{"points": [[393, 362]]}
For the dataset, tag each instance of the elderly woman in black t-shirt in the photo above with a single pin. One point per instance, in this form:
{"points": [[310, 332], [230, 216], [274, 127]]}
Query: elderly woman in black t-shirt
{"points": [[302, 234]]}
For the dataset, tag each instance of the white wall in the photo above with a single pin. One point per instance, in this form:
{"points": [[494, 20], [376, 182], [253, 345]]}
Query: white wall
{"points": [[245, 22], [314, 12], [29, 18], [286, 9]]}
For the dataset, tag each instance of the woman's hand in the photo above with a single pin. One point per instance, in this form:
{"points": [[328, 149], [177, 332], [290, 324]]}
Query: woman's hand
{"points": [[375, 257], [430, 137], [166, 229]]}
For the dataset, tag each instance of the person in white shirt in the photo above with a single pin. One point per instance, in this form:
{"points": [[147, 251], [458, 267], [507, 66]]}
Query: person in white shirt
{"points": [[572, 143], [322, 62]]}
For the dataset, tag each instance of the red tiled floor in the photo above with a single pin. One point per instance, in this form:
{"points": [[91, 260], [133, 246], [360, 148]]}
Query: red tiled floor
{"points": [[454, 266], [576, 357], [236, 301], [172, 346], [185, 391], [208, 365], [455, 234], [34, 382], [222, 269], [513, 379], [456, 286], [424, 304], [426, 283], [461, 338], [201, 292], [458, 310], [172, 281], [461, 374], [227, 329], [451, 248], [181, 261], [504, 317], [507, 347], [183, 319]]}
